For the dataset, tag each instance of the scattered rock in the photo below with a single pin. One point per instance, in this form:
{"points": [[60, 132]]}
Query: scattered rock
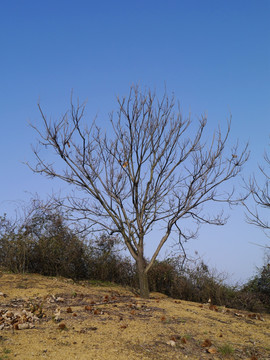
{"points": [[171, 343], [18, 320], [57, 314]]}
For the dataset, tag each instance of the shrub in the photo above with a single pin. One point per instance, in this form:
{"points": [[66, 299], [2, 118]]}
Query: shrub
{"points": [[194, 282], [106, 264], [163, 277], [257, 290], [44, 244]]}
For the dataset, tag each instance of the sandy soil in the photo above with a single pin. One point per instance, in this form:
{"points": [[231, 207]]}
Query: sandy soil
{"points": [[52, 318]]}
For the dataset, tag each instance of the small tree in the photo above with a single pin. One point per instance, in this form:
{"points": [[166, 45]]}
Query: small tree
{"points": [[261, 198], [152, 168]]}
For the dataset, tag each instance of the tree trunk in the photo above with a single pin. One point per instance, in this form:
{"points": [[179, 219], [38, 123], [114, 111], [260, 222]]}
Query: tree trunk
{"points": [[143, 278]]}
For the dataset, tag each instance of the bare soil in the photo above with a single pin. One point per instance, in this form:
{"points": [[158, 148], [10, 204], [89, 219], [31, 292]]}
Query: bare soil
{"points": [[55, 318]]}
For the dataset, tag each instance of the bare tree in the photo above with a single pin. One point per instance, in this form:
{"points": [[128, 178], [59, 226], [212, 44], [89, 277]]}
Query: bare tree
{"points": [[261, 197], [152, 168]]}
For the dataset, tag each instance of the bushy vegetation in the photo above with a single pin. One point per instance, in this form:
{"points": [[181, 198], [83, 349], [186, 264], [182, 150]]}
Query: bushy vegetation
{"points": [[44, 243], [196, 282], [258, 288], [193, 282]]}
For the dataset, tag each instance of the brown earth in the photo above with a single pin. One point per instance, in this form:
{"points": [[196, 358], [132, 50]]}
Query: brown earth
{"points": [[53, 318]]}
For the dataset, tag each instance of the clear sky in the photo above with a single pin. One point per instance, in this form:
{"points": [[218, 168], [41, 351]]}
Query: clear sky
{"points": [[214, 55]]}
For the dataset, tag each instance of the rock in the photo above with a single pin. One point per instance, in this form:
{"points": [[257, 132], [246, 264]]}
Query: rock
{"points": [[171, 343]]}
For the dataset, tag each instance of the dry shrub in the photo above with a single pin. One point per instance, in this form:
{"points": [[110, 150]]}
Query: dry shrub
{"points": [[256, 292], [106, 263], [43, 244], [194, 282], [162, 277]]}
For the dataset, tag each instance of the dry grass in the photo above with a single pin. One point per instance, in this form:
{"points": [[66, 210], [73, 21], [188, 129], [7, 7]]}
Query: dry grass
{"points": [[82, 321]]}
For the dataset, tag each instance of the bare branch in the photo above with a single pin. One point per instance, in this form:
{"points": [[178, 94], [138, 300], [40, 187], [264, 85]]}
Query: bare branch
{"points": [[152, 168], [260, 195]]}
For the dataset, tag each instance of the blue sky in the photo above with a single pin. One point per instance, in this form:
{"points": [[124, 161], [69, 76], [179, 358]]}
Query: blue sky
{"points": [[214, 55]]}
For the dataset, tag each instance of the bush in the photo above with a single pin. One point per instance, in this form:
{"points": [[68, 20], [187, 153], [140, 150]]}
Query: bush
{"points": [[106, 264], [194, 282], [162, 277], [42, 244], [14, 246], [257, 290]]}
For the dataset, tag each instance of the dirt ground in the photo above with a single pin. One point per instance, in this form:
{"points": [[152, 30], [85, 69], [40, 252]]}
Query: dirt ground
{"points": [[53, 318]]}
